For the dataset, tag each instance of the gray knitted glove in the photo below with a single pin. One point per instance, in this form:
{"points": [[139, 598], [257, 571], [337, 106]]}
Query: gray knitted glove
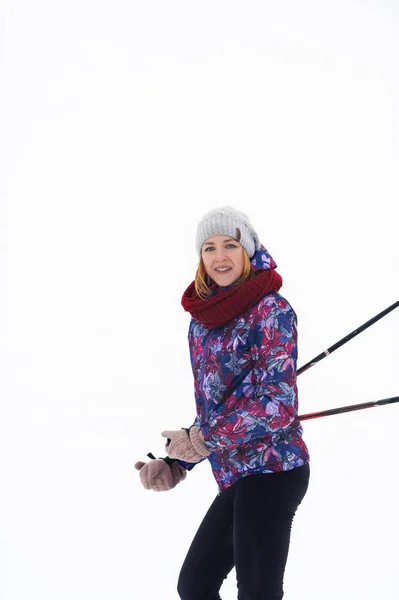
{"points": [[160, 475]]}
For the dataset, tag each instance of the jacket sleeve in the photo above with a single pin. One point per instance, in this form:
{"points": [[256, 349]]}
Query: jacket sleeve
{"points": [[267, 400]]}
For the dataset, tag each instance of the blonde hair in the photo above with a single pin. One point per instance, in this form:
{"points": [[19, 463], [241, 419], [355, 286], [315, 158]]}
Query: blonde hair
{"points": [[202, 284]]}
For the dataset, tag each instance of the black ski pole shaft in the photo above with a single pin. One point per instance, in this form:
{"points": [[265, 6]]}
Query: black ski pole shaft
{"points": [[347, 338], [345, 409]]}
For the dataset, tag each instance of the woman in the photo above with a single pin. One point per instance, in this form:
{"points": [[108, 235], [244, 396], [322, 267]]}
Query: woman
{"points": [[243, 348]]}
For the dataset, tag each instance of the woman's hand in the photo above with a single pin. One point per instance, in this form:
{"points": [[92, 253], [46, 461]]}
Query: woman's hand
{"points": [[160, 476], [179, 445], [182, 445]]}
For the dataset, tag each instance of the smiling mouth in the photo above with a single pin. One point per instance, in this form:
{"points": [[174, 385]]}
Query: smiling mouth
{"points": [[223, 269]]}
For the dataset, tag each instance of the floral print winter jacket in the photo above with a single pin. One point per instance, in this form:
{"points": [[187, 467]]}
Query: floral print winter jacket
{"points": [[245, 389]]}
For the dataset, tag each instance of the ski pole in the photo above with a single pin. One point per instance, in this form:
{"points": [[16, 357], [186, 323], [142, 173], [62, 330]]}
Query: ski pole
{"points": [[344, 409], [319, 357], [346, 338], [336, 411]]}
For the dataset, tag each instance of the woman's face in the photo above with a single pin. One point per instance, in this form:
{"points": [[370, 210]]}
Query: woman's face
{"points": [[223, 259]]}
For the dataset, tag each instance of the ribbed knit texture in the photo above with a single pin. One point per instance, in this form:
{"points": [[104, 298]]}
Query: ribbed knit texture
{"points": [[220, 308], [230, 222], [196, 441]]}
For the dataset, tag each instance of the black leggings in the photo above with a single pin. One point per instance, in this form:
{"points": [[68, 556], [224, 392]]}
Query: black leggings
{"points": [[247, 526]]}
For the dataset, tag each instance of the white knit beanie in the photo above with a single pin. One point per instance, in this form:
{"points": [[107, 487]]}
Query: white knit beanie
{"points": [[228, 221]]}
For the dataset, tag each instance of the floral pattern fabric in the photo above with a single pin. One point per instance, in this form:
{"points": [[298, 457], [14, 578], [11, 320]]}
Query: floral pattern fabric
{"points": [[245, 388]]}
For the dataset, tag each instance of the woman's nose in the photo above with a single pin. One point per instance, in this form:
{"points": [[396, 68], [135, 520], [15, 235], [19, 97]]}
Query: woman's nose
{"points": [[220, 254]]}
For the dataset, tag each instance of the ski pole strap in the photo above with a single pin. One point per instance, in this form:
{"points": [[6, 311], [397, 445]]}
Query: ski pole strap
{"points": [[348, 337], [345, 409], [169, 461]]}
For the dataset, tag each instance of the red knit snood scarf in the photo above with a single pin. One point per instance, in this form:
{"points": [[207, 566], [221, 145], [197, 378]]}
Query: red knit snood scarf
{"points": [[218, 309]]}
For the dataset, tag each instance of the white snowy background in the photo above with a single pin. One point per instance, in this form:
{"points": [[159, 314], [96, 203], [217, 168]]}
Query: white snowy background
{"points": [[122, 123]]}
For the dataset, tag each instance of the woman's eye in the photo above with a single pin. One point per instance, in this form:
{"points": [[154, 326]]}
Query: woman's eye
{"points": [[227, 246]]}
